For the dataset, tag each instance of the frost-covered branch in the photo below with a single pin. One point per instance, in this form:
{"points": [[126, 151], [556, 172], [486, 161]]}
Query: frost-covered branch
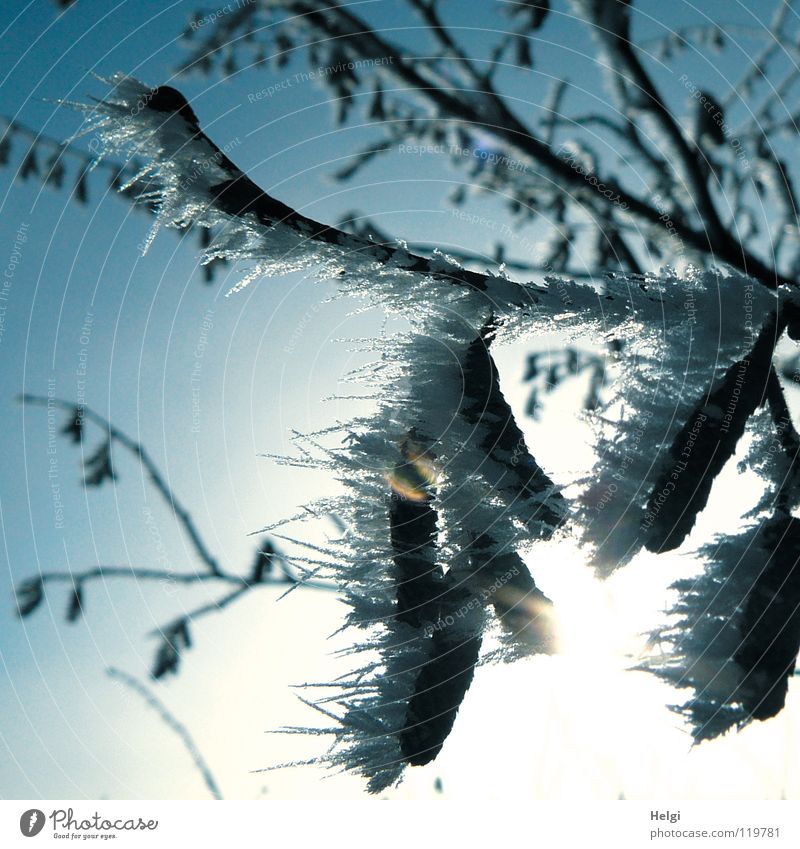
{"points": [[548, 177], [444, 494], [450, 50], [354, 222], [537, 171]]}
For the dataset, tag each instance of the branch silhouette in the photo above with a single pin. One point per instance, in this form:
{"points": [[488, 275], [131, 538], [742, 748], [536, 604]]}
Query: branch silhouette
{"points": [[270, 566], [173, 724]]}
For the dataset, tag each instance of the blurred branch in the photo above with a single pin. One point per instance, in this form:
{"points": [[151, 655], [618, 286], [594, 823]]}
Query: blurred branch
{"points": [[359, 225], [270, 566], [545, 371], [615, 34], [484, 108], [428, 12], [756, 68], [429, 106], [53, 172], [140, 573], [181, 514], [172, 723]]}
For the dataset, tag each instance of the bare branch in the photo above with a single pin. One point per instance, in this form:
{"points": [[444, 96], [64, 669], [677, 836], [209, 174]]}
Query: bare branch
{"points": [[172, 723], [157, 479], [621, 49], [140, 573], [427, 9], [487, 110], [757, 67]]}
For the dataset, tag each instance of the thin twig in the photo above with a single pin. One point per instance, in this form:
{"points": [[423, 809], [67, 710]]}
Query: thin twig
{"points": [[142, 574], [14, 128], [138, 450], [623, 51], [427, 10], [485, 109], [211, 607], [172, 723]]}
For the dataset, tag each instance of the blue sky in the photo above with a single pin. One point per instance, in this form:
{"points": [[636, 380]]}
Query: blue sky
{"points": [[65, 729]]}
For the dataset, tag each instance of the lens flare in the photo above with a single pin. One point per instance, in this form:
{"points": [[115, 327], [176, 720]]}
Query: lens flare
{"points": [[415, 475], [529, 616]]}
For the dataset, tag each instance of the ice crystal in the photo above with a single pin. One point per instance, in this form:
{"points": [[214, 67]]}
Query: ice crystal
{"points": [[443, 493]]}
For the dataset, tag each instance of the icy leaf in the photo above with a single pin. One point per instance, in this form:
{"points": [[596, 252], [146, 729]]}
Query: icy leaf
{"points": [[704, 445], [737, 634]]}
